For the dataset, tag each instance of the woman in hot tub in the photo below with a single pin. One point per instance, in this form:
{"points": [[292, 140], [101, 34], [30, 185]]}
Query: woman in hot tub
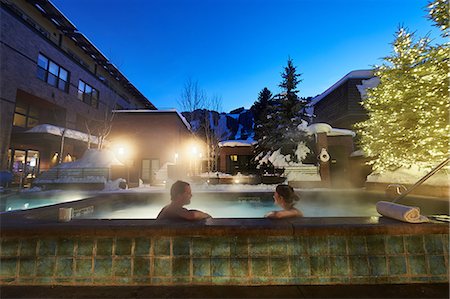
{"points": [[285, 197]]}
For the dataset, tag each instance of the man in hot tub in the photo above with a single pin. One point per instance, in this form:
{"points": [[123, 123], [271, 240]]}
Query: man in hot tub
{"points": [[180, 195]]}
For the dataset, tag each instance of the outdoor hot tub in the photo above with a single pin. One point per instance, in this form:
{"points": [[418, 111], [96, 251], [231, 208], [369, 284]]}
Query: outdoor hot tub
{"points": [[341, 240]]}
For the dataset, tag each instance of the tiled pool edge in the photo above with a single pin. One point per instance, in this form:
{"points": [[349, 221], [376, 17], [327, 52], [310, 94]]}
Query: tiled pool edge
{"points": [[307, 251]]}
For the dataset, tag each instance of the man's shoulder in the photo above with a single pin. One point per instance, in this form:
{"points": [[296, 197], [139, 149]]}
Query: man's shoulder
{"points": [[172, 212]]}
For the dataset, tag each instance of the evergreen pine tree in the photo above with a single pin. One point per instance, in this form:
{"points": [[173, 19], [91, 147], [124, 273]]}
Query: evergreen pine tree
{"points": [[277, 127], [288, 114], [409, 109], [260, 109]]}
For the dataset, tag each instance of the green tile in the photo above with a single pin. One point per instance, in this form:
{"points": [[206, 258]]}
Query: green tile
{"points": [[239, 267], [27, 266], [201, 266], [417, 264], [65, 280], [239, 247], [85, 247], [142, 280], [9, 247], [220, 247], [104, 246], [357, 245], [394, 244], [103, 266], [279, 245], [337, 245], [414, 244], [445, 242], [359, 266], [279, 267], [201, 247], [439, 279], [181, 266], [28, 247], [376, 244], [183, 280], [434, 244], [142, 246], [83, 281], [378, 265], [122, 267], [220, 267], [220, 280], [301, 266], [65, 247], [11, 280], [161, 281], [47, 247], [301, 246], [43, 280], [64, 266], [397, 265], [45, 267], [141, 266], [181, 246], [162, 267], [259, 267], [161, 246], [123, 246], [83, 267], [399, 279], [318, 245], [437, 265], [258, 246], [201, 279], [339, 266], [319, 265], [8, 266]]}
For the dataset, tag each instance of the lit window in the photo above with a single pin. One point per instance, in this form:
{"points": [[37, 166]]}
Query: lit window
{"points": [[25, 115], [234, 158]]}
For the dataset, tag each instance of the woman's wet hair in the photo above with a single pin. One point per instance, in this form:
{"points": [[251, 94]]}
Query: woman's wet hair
{"points": [[288, 194], [179, 187]]}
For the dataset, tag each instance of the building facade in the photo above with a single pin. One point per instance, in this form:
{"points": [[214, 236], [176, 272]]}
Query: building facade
{"points": [[339, 105], [53, 79], [154, 146]]}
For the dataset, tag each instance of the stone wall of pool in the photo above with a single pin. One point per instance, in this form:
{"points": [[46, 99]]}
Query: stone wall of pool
{"points": [[306, 251]]}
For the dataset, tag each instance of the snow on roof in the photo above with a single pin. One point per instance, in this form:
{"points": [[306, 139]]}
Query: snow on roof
{"points": [[233, 143], [156, 111], [358, 74], [326, 128], [58, 131], [366, 84]]}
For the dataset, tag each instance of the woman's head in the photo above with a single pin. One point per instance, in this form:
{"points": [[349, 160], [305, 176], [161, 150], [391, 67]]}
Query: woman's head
{"points": [[286, 194]]}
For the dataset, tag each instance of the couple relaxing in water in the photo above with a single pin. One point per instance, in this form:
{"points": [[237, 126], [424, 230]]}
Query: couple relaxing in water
{"points": [[180, 195]]}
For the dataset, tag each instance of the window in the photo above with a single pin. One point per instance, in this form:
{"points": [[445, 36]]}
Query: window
{"points": [[88, 94], [52, 73], [234, 158], [25, 115]]}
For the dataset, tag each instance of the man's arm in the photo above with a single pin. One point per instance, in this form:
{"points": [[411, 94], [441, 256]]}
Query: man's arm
{"points": [[193, 214]]}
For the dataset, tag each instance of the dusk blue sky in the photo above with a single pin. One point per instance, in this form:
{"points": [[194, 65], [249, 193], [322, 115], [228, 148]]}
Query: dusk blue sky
{"points": [[236, 48]]}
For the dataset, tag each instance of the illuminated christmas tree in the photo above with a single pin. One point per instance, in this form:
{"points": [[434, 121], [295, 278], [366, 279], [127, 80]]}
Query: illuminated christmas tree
{"points": [[409, 110]]}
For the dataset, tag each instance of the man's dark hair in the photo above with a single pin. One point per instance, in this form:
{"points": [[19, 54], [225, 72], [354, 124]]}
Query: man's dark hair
{"points": [[177, 188]]}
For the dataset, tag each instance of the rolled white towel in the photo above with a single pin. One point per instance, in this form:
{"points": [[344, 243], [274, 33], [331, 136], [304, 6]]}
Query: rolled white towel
{"points": [[400, 212]]}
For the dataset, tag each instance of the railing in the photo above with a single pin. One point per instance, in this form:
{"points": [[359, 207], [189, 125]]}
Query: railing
{"points": [[79, 173], [423, 179]]}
